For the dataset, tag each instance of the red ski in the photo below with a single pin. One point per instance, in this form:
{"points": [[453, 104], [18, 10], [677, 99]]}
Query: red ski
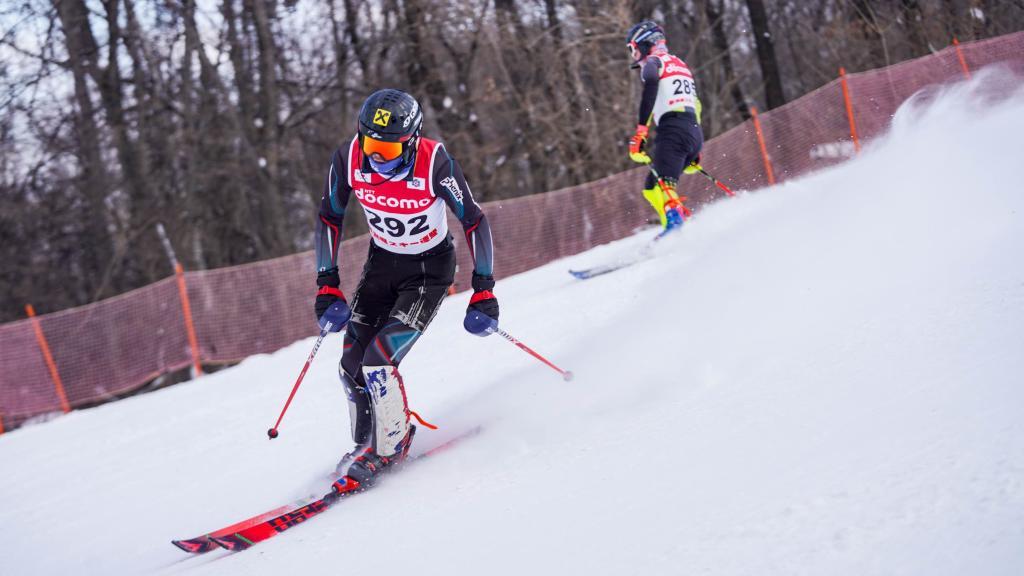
{"points": [[205, 543], [245, 537], [244, 534]]}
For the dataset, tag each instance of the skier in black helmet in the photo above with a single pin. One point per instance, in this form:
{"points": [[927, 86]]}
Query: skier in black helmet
{"points": [[669, 99], [403, 182]]}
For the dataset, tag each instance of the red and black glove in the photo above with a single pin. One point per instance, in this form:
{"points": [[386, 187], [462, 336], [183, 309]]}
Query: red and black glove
{"points": [[329, 293], [637, 144], [483, 299]]}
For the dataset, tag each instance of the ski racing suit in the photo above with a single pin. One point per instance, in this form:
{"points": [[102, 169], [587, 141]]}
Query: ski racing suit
{"points": [[408, 271], [669, 99]]}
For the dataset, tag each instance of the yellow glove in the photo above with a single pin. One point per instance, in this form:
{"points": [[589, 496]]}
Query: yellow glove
{"points": [[636, 145], [693, 167]]}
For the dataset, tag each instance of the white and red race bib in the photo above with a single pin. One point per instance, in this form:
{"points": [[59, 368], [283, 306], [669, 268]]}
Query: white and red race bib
{"points": [[676, 89], [405, 216]]}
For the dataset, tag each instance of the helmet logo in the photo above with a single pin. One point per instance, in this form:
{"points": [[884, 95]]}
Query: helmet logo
{"points": [[381, 117], [412, 114]]}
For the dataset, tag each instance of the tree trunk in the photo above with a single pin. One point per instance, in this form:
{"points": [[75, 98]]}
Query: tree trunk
{"points": [[95, 179], [773, 94], [721, 43], [913, 25], [866, 22], [424, 72], [248, 219], [270, 131], [351, 17]]}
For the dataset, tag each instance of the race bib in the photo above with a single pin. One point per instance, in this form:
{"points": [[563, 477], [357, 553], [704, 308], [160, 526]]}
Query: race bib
{"points": [[404, 223]]}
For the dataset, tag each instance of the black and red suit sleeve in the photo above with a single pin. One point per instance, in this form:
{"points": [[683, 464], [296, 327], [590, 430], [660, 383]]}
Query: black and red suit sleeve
{"points": [[450, 185], [332, 214], [650, 76]]}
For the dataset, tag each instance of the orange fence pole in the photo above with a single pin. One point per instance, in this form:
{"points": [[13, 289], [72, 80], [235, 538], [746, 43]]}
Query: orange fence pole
{"points": [[764, 150], [1, 423], [49, 359], [963, 61], [186, 308], [849, 109]]}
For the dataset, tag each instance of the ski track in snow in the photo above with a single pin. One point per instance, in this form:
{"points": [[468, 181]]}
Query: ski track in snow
{"points": [[825, 378]]}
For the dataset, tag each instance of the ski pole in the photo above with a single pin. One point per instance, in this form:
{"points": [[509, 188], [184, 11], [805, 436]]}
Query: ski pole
{"points": [[566, 374], [334, 316], [272, 433], [716, 181], [477, 322]]}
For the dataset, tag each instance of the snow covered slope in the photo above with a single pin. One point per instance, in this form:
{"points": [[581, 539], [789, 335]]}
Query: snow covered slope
{"points": [[827, 378]]}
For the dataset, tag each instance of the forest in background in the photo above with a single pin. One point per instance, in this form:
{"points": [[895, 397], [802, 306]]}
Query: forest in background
{"points": [[215, 120]]}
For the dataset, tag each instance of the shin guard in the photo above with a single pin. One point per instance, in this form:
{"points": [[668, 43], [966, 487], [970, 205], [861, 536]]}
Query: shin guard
{"points": [[389, 408]]}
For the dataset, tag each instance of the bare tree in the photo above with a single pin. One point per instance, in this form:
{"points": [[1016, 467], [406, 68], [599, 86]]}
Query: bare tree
{"points": [[773, 94], [218, 119], [720, 42]]}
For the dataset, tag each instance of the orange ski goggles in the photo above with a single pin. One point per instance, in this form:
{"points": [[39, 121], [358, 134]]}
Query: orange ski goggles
{"points": [[380, 150]]}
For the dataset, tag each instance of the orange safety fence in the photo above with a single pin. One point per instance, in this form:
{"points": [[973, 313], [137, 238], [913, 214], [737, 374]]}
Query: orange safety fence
{"points": [[115, 346]]}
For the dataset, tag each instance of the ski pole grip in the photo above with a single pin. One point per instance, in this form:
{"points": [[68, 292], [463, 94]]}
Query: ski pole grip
{"points": [[478, 323], [335, 317]]}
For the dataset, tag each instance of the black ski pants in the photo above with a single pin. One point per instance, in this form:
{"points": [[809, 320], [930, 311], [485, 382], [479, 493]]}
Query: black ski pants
{"points": [[677, 143], [397, 297]]}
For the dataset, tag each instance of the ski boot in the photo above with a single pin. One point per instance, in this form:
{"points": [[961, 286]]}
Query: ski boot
{"points": [[361, 467], [673, 219]]}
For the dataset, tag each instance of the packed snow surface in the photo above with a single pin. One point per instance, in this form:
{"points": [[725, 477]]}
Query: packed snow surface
{"points": [[823, 378]]}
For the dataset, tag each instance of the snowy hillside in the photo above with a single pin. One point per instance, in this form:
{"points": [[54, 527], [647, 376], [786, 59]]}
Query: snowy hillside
{"points": [[826, 378]]}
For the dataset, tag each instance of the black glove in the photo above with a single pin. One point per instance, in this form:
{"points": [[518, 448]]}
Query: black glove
{"points": [[329, 293], [483, 299]]}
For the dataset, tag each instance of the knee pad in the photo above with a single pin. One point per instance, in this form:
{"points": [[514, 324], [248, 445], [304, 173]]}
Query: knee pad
{"points": [[390, 345]]}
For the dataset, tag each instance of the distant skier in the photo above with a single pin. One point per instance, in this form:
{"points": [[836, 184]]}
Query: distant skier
{"points": [[669, 99], [403, 182]]}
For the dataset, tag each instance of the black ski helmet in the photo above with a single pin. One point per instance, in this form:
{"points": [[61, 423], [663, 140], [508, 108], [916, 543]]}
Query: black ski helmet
{"points": [[642, 37], [391, 115]]}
